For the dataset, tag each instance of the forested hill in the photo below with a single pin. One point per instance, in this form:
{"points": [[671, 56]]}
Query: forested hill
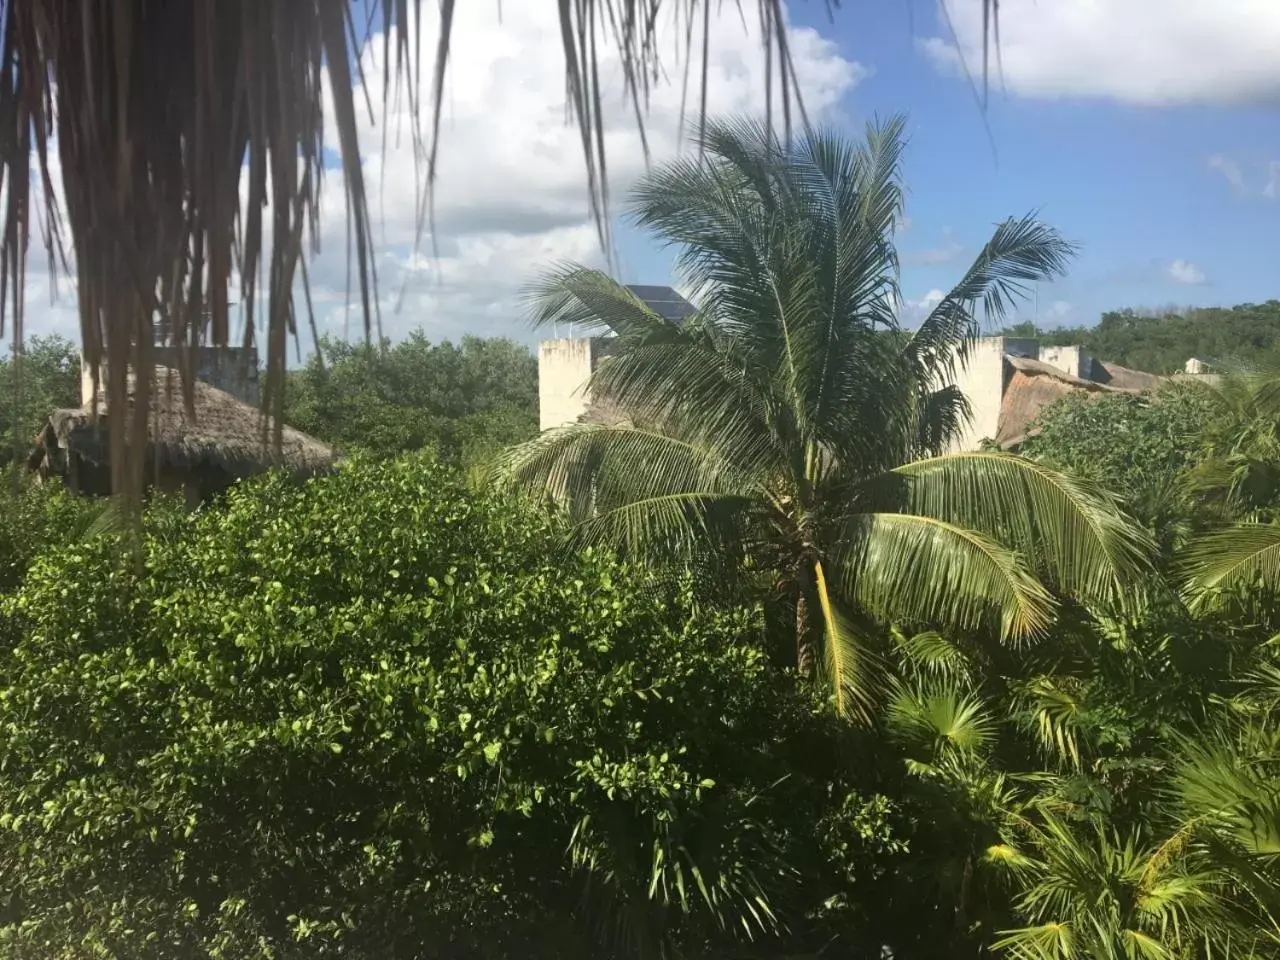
{"points": [[1248, 332]]}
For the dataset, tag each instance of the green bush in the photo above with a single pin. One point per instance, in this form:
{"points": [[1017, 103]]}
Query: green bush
{"points": [[376, 716], [35, 518]]}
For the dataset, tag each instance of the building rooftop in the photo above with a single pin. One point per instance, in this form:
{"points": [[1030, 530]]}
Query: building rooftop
{"points": [[663, 300]]}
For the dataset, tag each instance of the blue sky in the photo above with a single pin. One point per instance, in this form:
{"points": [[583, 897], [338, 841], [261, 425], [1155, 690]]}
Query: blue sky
{"points": [[1145, 130], [1131, 184]]}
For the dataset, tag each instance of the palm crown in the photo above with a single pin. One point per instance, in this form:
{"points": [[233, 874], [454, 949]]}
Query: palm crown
{"points": [[793, 424]]}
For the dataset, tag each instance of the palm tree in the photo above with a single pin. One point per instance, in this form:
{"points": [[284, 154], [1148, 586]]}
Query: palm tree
{"points": [[1237, 487], [793, 425]]}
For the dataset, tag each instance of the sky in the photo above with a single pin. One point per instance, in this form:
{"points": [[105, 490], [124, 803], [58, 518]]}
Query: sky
{"points": [[1147, 131]]}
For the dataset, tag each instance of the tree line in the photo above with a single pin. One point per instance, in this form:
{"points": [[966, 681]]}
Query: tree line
{"points": [[1163, 341]]}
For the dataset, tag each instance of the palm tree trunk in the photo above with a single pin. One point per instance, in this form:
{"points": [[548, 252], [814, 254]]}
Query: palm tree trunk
{"points": [[804, 620]]}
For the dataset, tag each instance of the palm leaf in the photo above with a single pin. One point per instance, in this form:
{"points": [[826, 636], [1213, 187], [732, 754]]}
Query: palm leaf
{"points": [[850, 665], [1219, 565], [644, 492], [1071, 528], [939, 718], [577, 297], [930, 654], [906, 568], [1020, 252]]}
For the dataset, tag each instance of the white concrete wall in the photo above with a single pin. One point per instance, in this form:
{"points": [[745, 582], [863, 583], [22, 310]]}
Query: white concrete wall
{"points": [[1071, 360], [564, 367], [982, 380]]}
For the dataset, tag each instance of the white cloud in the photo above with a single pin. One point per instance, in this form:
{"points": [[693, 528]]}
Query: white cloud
{"points": [[1185, 272], [911, 312], [1148, 52], [1060, 309], [1272, 190], [511, 195], [1230, 171]]}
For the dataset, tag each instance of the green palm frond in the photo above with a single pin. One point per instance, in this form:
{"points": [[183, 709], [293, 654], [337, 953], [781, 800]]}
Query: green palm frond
{"points": [[644, 492], [1219, 566], [850, 664], [1053, 711], [1020, 252], [1088, 547], [905, 568], [939, 718], [1046, 941], [590, 301], [931, 655], [1089, 892], [696, 393], [1232, 786]]}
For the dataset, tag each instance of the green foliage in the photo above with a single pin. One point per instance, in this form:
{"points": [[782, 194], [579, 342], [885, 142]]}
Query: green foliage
{"points": [[50, 378], [1163, 342], [36, 518], [1141, 447], [1110, 793], [465, 401], [375, 716]]}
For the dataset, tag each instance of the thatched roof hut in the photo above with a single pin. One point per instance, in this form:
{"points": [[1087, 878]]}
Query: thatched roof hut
{"points": [[1034, 384], [225, 441]]}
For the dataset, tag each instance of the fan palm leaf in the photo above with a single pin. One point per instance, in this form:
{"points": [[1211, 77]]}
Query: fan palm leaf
{"points": [[784, 423]]}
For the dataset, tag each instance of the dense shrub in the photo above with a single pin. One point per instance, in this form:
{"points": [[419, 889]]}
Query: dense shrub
{"points": [[35, 518], [378, 717]]}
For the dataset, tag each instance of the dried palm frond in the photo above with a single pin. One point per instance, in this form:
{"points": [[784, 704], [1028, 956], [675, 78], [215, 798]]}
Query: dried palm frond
{"points": [[162, 111]]}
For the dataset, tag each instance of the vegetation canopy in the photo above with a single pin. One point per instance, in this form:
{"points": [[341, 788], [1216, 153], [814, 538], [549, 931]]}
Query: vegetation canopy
{"points": [[377, 715]]}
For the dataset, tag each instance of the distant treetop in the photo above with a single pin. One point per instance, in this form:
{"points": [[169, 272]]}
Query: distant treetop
{"points": [[1163, 342]]}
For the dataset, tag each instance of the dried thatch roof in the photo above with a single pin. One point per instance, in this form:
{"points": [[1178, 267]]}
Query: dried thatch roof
{"points": [[225, 434], [1127, 379], [1034, 385]]}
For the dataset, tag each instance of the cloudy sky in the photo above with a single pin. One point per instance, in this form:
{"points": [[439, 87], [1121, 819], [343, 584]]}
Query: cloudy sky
{"points": [[1146, 130]]}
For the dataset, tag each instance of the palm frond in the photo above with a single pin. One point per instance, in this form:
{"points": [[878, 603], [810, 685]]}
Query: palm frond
{"points": [[1020, 252], [939, 718], [1220, 566], [1052, 711], [1232, 787], [907, 568], [1070, 528], [644, 492], [590, 301], [697, 393], [850, 666], [929, 654]]}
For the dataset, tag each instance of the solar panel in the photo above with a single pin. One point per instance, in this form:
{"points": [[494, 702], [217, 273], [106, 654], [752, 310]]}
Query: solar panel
{"points": [[663, 301]]}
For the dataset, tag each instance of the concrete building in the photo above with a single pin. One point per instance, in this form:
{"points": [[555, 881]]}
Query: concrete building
{"points": [[1007, 380], [565, 364]]}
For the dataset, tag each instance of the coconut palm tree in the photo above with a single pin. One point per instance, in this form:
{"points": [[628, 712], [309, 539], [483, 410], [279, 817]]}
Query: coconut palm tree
{"points": [[793, 425]]}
